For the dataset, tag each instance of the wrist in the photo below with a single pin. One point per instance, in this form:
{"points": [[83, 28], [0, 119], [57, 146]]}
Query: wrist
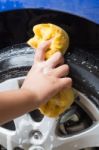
{"points": [[30, 97]]}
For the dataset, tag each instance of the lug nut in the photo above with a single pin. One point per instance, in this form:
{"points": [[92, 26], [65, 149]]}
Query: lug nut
{"points": [[37, 135]]}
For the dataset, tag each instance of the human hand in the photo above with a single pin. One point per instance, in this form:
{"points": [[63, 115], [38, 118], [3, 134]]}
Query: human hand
{"points": [[46, 77]]}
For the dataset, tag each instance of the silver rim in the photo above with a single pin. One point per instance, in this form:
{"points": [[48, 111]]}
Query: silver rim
{"points": [[32, 135]]}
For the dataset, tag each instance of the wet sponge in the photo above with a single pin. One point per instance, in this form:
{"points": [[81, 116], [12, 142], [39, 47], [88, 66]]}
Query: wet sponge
{"points": [[48, 31], [42, 32]]}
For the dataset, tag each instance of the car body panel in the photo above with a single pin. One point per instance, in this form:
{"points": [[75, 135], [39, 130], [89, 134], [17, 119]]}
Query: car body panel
{"points": [[86, 9]]}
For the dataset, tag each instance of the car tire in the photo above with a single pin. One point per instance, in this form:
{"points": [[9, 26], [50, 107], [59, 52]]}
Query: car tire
{"points": [[15, 61]]}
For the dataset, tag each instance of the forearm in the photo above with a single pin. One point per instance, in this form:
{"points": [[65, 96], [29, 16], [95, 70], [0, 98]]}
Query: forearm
{"points": [[15, 103]]}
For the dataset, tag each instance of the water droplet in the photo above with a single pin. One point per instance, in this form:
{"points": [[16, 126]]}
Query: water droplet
{"points": [[15, 5], [90, 86], [68, 53], [75, 59], [89, 67], [68, 60], [83, 62], [3, 7], [52, 138], [95, 67], [84, 80], [75, 145]]}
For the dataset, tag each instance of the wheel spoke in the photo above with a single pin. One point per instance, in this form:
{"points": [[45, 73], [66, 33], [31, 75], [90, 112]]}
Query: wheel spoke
{"points": [[10, 84], [47, 129], [89, 138], [6, 138], [31, 133], [48, 126], [88, 106], [24, 126]]}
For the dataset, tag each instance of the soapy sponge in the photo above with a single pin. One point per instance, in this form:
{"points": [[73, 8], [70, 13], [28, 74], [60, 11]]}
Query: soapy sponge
{"points": [[42, 32]]}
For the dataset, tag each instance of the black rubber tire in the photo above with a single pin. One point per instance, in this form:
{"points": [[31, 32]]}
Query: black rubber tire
{"points": [[15, 61]]}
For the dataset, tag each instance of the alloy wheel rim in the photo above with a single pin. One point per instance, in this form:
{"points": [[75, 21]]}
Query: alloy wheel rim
{"points": [[46, 135]]}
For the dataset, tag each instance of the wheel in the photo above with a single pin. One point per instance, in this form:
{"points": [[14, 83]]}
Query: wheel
{"points": [[76, 129]]}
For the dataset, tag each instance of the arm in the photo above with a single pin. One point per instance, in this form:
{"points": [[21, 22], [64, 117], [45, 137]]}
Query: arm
{"points": [[15, 103], [43, 81]]}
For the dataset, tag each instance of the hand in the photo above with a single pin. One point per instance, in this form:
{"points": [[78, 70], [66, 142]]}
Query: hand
{"points": [[45, 79]]}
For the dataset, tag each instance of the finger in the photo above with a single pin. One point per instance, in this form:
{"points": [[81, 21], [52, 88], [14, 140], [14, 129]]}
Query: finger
{"points": [[55, 60], [61, 71], [40, 51], [66, 82]]}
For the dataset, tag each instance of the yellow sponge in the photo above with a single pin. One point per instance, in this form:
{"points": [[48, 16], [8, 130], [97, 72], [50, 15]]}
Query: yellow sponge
{"points": [[42, 32]]}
